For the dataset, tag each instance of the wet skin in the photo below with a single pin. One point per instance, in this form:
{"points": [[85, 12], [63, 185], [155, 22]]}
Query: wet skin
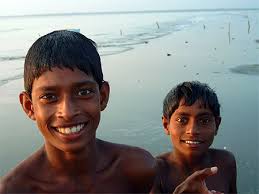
{"points": [[192, 130], [66, 106]]}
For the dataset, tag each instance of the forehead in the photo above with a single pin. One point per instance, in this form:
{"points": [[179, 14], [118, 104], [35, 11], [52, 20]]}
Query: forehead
{"points": [[61, 77], [198, 107]]}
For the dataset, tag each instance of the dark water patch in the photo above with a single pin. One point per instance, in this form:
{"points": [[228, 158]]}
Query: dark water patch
{"points": [[257, 41], [246, 69], [11, 58], [12, 78]]}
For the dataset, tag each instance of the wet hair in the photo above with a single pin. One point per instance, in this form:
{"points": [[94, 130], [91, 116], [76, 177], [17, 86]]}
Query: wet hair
{"points": [[191, 92], [62, 49]]}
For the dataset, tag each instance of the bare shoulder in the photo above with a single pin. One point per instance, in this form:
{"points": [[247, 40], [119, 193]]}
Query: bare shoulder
{"points": [[134, 158], [222, 157], [18, 178], [225, 179], [135, 163], [13, 181]]}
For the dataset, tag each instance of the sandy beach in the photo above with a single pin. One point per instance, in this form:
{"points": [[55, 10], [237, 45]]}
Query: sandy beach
{"points": [[139, 80]]}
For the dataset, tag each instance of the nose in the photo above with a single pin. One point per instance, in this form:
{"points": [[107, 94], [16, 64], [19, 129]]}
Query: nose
{"points": [[192, 128], [67, 108]]}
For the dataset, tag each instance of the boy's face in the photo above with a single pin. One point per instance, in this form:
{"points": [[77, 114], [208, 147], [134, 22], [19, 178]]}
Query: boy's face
{"points": [[191, 128], [66, 105]]}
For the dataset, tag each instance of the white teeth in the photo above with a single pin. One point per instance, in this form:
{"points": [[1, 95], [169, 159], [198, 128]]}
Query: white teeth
{"points": [[192, 142], [62, 130], [69, 130]]}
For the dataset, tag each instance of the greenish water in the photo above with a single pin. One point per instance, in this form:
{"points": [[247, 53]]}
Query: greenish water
{"points": [[141, 77]]}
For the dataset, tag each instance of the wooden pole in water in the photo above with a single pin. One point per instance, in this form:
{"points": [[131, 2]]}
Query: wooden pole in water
{"points": [[229, 32], [157, 24], [248, 23]]}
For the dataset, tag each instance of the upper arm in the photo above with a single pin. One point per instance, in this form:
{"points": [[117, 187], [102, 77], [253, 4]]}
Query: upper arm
{"points": [[160, 181], [228, 163], [13, 182], [233, 187], [3, 185]]}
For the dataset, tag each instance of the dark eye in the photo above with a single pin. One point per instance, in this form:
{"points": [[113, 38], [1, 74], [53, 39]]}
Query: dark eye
{"points": [[84, 92], [181, 120], [48, 97], [205, 120]]}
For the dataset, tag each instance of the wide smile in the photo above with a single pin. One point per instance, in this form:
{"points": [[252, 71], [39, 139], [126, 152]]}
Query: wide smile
{"points": [[193, 143], [70, 130]]}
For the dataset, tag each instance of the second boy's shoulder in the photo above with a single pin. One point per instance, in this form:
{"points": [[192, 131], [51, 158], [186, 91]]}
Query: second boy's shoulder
{"points": [[222, 158], [219, 154]]}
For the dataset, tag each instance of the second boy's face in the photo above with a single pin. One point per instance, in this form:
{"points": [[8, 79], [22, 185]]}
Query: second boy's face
{"points": [[191, 128], [66, 105]]}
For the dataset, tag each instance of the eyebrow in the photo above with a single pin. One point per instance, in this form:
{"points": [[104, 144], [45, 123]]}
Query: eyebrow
{"points": [[205, 114], [199, 115], [74, 85]]}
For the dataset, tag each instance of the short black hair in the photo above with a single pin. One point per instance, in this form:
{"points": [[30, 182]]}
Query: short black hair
{"points": [[62, 49], [190, 91]]}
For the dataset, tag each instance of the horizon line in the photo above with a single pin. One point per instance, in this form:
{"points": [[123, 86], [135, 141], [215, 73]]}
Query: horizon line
{"points": [[128, 12]]}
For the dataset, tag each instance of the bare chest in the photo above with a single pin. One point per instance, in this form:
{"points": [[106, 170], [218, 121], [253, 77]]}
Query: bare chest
{"points": [[114, 183]]}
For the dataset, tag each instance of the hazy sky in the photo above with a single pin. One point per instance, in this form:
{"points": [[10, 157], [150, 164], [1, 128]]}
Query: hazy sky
{"points": [[21, 7]]}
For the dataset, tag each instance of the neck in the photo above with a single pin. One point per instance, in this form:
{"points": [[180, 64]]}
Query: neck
{"points": [[72, 163]]}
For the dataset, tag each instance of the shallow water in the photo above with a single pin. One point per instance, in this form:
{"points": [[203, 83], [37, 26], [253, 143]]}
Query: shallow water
{"points": [[199, 48]]}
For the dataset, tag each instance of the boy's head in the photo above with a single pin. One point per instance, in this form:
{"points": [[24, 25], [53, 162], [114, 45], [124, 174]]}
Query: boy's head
{"points": [[62, 49], [65, 92], [190, 92], [191, 116]]}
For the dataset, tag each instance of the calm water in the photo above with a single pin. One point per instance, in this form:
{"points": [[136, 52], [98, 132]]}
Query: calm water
{"points": [[138, 85]]}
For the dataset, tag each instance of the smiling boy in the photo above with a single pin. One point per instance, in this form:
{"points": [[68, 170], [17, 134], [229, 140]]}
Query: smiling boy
{"points": [[191, 117]]}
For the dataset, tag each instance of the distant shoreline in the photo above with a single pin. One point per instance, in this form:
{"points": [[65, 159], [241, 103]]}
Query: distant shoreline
{"points": [[131, 12]]}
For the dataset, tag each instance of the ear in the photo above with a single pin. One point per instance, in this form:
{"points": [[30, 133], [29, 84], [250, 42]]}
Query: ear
{"points": [[104, 94], [217, 122], [27, 105], [165, 123]]}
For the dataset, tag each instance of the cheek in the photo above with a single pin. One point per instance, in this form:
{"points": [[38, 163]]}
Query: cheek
{"points": [[42, 114], [209, 135], [175, 133]]}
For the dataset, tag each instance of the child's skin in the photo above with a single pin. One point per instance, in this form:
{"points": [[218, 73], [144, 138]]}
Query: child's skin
{"points": [[65, 94], [191, 129]]}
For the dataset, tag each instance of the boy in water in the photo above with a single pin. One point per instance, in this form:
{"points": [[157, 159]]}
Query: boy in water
{"points": [[191, 117], [65, 94]]}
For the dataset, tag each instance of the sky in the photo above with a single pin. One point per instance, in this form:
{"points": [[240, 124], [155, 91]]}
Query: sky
{"points": [[28, 7]]}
